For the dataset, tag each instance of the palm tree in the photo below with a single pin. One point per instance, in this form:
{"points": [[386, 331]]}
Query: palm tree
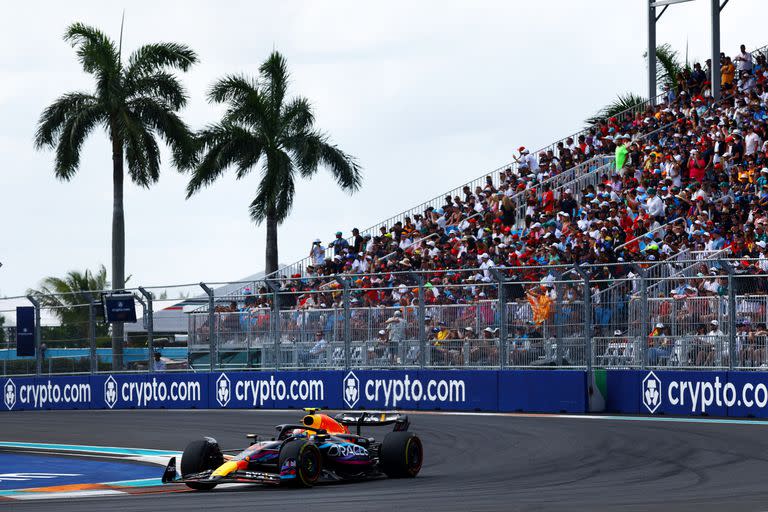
{"points": [[622, 103], [66, 297], [668, 65], [135, 103], [261, 125], [668, 68]]}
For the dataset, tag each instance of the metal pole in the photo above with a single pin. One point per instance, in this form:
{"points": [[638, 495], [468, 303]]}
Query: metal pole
{"points": [[644, 330], [347, 322], [275, 323], [149, 310], [503, 334], [559, 317], [91, 332], [211, 325], [38, 353], [587, 315], [652, 51], [422, 313], [731, 313], [715, 71]]}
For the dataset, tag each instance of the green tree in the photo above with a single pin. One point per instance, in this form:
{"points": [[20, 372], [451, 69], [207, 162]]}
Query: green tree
{"points": [[67, 298], [668, 65], [622, 104], [2, 329], [261, 126], [668, 69], [135, 102]]}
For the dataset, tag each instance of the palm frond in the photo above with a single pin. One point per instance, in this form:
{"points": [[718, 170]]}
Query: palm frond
{"points": [[622, 103], [275, 74], [154, 57], [277, 175], [66, 295], [76, 128], [668, 65], [160, 86], [223, 145], [161, 119], [313, 149], [297, 115], [233, 89], [54, 117], [96, 52]]}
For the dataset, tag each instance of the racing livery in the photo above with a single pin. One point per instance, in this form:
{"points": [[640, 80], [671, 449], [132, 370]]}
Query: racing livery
{"points": [[320, 448]]}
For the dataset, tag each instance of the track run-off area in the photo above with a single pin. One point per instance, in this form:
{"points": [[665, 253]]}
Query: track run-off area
{"points": [[473, 461]]}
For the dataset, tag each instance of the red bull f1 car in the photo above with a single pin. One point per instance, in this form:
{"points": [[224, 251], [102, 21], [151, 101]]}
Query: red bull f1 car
{"points": [[319, 448]]}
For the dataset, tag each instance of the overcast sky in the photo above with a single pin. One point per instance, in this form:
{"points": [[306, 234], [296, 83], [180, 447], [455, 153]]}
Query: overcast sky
{"points": [[426, 95]]}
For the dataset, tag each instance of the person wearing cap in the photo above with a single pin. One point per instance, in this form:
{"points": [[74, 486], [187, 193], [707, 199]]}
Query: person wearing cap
{"points": [[654, 205], [395, 326], [382, 349], [658, 346], [618, 350], [484, 352], [717, 340], [339, 244], [317, 352], [317, 253]]}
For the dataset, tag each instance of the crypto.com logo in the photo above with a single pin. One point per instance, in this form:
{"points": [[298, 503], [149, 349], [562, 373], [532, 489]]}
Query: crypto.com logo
{"points": [[110, 391], [351, 389], [651, 390], [9, 394], [223, 390]]}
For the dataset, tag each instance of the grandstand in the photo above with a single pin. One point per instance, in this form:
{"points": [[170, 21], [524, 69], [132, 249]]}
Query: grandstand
{"points": [[665, 189]]}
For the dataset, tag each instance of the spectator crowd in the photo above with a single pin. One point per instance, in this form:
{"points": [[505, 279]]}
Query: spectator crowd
{"points": [[685, 176]]}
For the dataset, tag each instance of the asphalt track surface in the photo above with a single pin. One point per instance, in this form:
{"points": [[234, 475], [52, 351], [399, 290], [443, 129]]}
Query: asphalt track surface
{"points": [[471, 463]]}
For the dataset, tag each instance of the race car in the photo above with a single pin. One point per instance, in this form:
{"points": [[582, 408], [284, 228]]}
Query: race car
{"points": [[320, 448]]}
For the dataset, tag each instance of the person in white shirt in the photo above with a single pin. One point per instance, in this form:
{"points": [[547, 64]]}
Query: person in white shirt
{"points": [[752, 142], [487, 263], [158, 365], [743, 60], [716, 337], [317, 253], [654, 205]]}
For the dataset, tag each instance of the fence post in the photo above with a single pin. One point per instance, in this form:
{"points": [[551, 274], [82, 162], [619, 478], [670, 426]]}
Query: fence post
{"points": [[275, 323], [731, 313], [150, 326], [587, 315], [644, 314], [91, 332], [347, 321], [211, 325], [558, 315], [503, 335], [419, 278], [38, 353]]}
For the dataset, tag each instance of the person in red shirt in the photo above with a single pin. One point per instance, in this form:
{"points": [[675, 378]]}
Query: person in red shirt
{"points": [[548, 199], [697, 166]]}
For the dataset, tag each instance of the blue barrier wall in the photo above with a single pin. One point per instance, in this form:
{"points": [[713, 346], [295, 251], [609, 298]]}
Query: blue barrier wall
{"points": [[461, 390], [687, 393], [715, 393]]}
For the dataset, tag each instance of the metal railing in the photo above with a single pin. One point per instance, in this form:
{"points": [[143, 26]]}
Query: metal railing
{"points": [[662, 314]]}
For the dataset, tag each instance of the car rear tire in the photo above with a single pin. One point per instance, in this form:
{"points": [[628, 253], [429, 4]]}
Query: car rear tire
{"points": [[201, 456], [300, 464], [401, 455]]}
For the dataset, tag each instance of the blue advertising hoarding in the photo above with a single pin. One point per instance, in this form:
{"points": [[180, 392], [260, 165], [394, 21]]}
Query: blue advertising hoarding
{"points": [[25, 331]]}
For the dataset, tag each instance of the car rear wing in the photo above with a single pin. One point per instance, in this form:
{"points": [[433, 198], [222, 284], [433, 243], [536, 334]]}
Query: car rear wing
{"points": [[373, 419]]}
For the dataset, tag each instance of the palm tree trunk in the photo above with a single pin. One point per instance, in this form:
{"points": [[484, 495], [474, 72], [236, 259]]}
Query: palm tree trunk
{"points": [[271, 240], [118, 242]]}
